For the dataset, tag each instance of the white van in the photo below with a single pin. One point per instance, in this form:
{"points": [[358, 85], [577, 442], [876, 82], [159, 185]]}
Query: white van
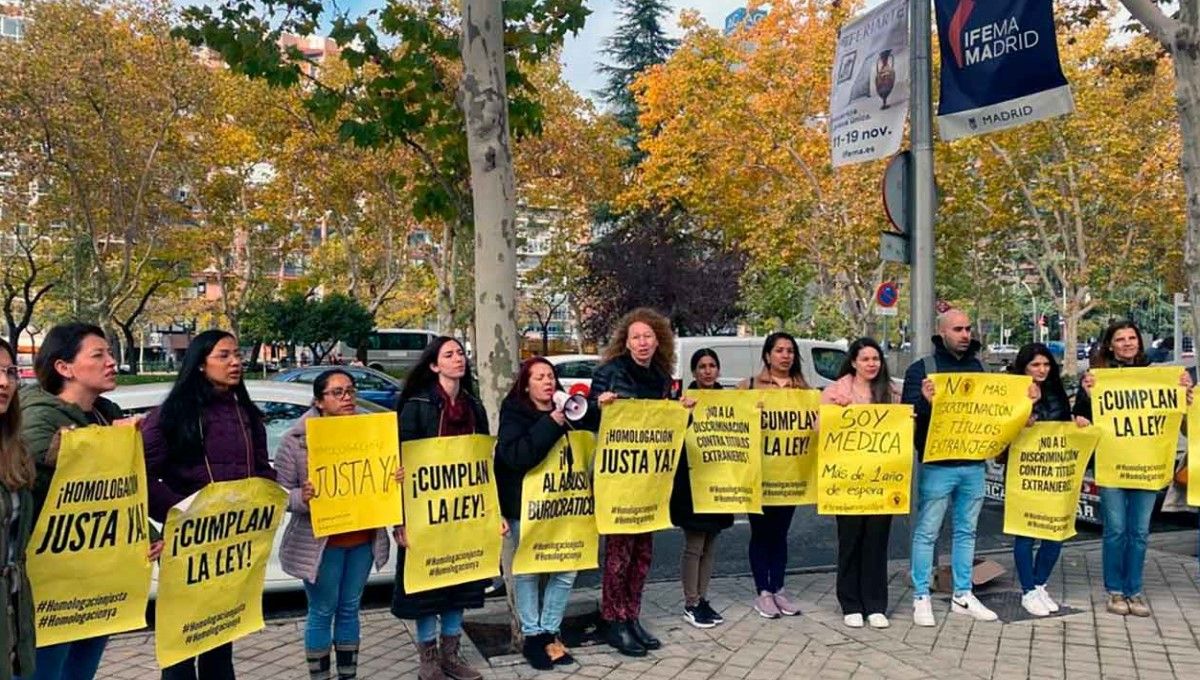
{"points": [[742, 358], [391, 349]]}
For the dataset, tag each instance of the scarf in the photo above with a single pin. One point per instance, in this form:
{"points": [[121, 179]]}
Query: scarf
{"points": [[458, 417]]}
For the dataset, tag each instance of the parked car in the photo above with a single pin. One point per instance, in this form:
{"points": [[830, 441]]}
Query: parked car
{"points": [[282, 405], [375, 386], [575, 371], [741, 357]]}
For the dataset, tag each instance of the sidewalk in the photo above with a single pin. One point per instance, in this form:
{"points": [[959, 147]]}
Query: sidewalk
{"points": [[1088, 643]]}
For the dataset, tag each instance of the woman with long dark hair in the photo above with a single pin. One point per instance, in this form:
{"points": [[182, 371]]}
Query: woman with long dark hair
{"points": [[700, 531], [862, 589], [530, 428], [74, 367], [1037, 361], [1126, 511], [768, 531], [636, 364], [439, 400], [334, 568], [206, 431], [17, 648]]}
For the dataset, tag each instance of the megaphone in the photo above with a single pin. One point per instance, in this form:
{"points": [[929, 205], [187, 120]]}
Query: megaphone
{"points": [[573, 406]]}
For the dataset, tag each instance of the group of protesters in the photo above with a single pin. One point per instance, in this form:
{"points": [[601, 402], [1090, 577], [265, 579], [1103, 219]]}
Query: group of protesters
{"points": [[208, 430]]}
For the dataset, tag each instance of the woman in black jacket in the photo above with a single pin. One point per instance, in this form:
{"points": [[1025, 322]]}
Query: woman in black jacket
{"points": [[637, 365], [438, 400], [530, 427], [699, 531]]}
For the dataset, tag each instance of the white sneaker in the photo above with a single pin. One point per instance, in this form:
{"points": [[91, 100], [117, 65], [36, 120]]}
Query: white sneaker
{"points": [[853, 620], [1046, 599], [881, 621], [971, 606], [1032, 602], [923, 612]]}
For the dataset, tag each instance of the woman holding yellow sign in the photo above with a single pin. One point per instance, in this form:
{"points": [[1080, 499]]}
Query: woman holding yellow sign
{"points": [[206, 431], [1127, 505], [768, 531], [334, 568], [438, 401], [862, 539], [16, 517]]}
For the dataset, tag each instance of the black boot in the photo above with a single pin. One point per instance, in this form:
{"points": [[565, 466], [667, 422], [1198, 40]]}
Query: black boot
{"points": [[534, 651], [643, 636], [622, 639], [347, 660], [318, 663]]}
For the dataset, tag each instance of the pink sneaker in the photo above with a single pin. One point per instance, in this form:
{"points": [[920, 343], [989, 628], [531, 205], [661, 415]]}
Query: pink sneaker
{"points": [[785, 605], [765, 605]]}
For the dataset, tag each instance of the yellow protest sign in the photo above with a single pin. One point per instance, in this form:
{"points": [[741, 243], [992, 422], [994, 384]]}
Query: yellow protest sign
{"points": [[87, 557], [789, 423], [214, 561], [975, 415], [558, 510], [638, 449], [865, 458], [724, 451], [1138, 411], [1193, 454], [1045, 465], [352, 465], [452, 512]]}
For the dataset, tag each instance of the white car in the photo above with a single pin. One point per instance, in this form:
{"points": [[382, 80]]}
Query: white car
{"points": [[282, 405], [575, 371]]}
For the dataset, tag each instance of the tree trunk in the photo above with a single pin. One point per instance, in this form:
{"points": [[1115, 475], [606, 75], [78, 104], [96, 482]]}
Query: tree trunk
{"points": [[1071, 316], [1187, 99]]}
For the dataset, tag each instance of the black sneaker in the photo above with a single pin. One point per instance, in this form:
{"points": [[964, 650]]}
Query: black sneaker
{"points": [[697, 617], [712, 614]]}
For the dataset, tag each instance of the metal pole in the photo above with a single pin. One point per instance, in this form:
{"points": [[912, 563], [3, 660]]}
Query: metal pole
{"points": [[923, 203]]}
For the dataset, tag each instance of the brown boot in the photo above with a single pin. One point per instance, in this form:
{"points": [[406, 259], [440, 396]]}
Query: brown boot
{"points": [[431, 661], [453, 663]]}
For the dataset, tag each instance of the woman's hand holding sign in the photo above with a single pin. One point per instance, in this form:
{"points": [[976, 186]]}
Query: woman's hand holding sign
{"points": [[606, 398]]}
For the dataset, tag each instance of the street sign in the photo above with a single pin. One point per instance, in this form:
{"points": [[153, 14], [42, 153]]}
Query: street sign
{"points": [[887, 294], [893, 247], [895, 190], [741, 16]]}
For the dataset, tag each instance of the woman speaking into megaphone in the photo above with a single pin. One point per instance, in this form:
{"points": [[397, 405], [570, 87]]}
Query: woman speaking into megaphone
{"points": [[533, 418]]}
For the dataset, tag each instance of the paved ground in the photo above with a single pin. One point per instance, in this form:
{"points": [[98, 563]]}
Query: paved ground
{"points": [[1086, 644]]}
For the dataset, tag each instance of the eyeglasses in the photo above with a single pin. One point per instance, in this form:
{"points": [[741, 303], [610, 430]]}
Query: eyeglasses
{"points": [[340, 392], [12, 373]]}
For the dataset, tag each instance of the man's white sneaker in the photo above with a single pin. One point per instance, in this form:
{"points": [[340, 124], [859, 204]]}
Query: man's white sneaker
{"points": [[923, 612], [1032, 602], [971, 606], [853, 620], [881, 621], [1046, 599]]}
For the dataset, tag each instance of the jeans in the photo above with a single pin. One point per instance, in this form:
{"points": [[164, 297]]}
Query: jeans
{"points": [[1031, 571], [78, 660], [452, 625], [942, 488], [696, 565], [215, 664], [547, 617], [1126, 528], [768, 546], [334, 599], [862, 578]]}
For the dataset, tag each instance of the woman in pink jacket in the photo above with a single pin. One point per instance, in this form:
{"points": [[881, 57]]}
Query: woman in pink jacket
{"points": [[334, 568], [862, 539]]}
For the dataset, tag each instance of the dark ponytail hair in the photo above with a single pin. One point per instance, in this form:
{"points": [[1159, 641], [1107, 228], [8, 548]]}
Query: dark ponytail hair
{"points": [[183, 409], [322, 381], [704, 352], [62, 343]]}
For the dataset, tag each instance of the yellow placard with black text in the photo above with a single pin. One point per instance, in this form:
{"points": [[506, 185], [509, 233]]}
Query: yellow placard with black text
{"points": [[88, 559], [789, 447], [214, 563], [1139, 412], [1043, 479], [1193, 453], [865, 459], [558, 510], [724, 444], [452, 513], [352, 464], [637, 450], [976, 415]]}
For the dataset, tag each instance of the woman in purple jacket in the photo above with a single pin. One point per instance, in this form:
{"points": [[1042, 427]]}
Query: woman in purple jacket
{"points": [[334, 568], [207, 430]]}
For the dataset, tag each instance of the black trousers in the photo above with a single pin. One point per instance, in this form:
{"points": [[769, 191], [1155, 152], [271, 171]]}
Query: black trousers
{"points": [[862, 577], [215, 664]]}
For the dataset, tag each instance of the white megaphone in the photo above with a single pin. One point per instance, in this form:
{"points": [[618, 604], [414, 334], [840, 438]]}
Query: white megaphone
{"points": [[573, 406]]}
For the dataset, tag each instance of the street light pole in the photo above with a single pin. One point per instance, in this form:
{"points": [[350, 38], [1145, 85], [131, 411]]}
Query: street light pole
{"points": [[923, 198]]}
